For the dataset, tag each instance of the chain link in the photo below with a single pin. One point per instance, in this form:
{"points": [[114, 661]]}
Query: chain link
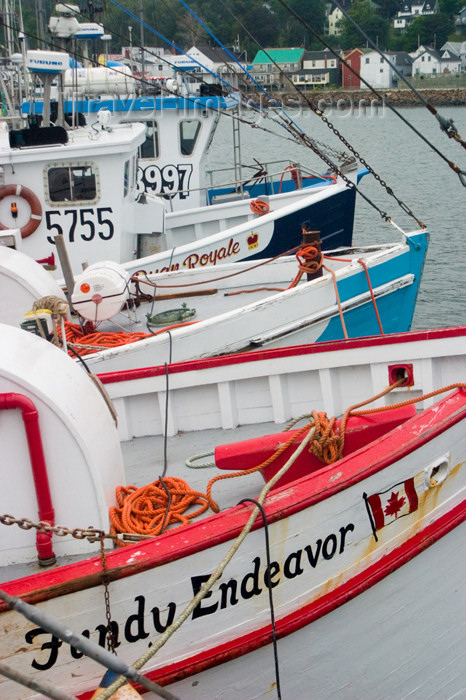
{"points": [[111, 640], [79, 533], [309, 142]]}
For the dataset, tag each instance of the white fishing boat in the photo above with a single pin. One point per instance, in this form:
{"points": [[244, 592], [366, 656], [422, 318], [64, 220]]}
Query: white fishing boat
{"points": [[85, 183], [357, 547], [128, 320]]}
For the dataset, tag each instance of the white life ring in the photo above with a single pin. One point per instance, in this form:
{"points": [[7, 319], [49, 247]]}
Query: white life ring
{"points": [[31, 199]]}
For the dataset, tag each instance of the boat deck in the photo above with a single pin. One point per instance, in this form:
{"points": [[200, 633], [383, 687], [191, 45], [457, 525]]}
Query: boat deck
{"points": [[144, 463]]}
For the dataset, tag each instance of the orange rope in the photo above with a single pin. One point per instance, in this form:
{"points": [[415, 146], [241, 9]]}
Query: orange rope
{"points": [[337, 296], [93, 342], [294, 177], [408, 402], [372, 295], [150, 509], [146, 511], [259, 206], [327, 445], [307, 263]]}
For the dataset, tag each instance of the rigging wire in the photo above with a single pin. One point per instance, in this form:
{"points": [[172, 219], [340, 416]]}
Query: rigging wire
{"points": [[298, 135], [461, 173], [188, 98], [311, 143], [446, 125], [180, 69], [297, 132]]}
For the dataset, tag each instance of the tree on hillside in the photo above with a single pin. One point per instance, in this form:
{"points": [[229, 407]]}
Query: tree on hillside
{"points": [[389, 8], [293, 32], [432, 30], [451, 7], [366, 17], [249, 20]]}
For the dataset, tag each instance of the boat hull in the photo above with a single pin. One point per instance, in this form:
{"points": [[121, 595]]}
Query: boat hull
{"points": [[334, 575], [305, 314], [362, 648]]}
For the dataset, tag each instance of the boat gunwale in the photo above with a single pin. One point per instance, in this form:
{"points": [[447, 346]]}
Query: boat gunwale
{"points": [[283, 502], [272, 353]]}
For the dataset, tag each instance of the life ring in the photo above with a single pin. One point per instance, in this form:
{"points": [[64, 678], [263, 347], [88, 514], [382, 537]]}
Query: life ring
{"points": [[31, 199], [259, 206]]}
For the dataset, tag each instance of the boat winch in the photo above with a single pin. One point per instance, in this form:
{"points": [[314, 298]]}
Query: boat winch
{"points": [[101, 291]]}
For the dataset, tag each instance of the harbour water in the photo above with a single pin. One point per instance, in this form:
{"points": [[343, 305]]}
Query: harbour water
{"points": [[418, 176]]}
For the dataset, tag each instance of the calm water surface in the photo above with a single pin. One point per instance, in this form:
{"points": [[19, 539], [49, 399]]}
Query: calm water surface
{"points": [[415, 173]]}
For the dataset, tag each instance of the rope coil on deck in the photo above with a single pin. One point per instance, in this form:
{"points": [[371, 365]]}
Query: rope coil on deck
{"points": [[89, 342], [149, 509]]}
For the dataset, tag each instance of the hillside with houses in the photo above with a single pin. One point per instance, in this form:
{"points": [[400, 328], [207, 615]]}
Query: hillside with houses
{"points": [[350, 45]]}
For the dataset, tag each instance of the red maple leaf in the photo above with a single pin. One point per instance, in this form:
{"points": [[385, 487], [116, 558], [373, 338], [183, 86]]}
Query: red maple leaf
{"points": [[394, 504]]}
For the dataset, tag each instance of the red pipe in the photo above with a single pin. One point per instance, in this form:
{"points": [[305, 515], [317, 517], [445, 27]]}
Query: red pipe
{"points": [[39, 470]]}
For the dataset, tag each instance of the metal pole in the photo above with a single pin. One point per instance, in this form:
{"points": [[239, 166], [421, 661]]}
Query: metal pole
{"points": [[88, 647], [41, 686], [65, 266], [141, 24]]}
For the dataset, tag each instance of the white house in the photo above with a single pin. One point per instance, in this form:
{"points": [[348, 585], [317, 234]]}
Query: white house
{"points": [[455, 48], [427, 63], [410, 10], [333, 17], [379, 73]]}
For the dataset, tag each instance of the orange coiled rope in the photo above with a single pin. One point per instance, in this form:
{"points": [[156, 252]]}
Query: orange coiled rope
{"points": [[259, 206], [310, 260], [146, 511], [326, 446], [150, 509], [88, 343]]}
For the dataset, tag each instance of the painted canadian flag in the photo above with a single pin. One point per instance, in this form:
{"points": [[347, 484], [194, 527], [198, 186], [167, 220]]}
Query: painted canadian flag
{"points": [[392, 504]]}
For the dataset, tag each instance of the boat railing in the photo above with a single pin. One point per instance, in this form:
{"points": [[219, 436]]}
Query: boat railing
{"points": [[232, 190], [263, 171], [269, 176]]}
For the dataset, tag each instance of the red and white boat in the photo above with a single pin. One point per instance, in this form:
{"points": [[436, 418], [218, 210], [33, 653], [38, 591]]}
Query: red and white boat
{"points": [[358, 588]]}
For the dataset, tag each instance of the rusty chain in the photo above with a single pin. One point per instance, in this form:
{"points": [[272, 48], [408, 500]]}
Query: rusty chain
{"points": [[111, 639], [80, 533], [305, 139]]}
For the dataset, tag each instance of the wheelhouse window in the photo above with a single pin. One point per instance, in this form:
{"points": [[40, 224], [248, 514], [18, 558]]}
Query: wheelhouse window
{"points": [[189, 132], [150, 147], [71, 183]]}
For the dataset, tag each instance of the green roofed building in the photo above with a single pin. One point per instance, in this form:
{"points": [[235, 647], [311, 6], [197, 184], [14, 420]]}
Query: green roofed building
{"points": [[269, 65]]}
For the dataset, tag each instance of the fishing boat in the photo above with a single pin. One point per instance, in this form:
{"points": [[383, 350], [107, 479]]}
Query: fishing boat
{"points": [[85, 183], [125, 320], [349, 529]]}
